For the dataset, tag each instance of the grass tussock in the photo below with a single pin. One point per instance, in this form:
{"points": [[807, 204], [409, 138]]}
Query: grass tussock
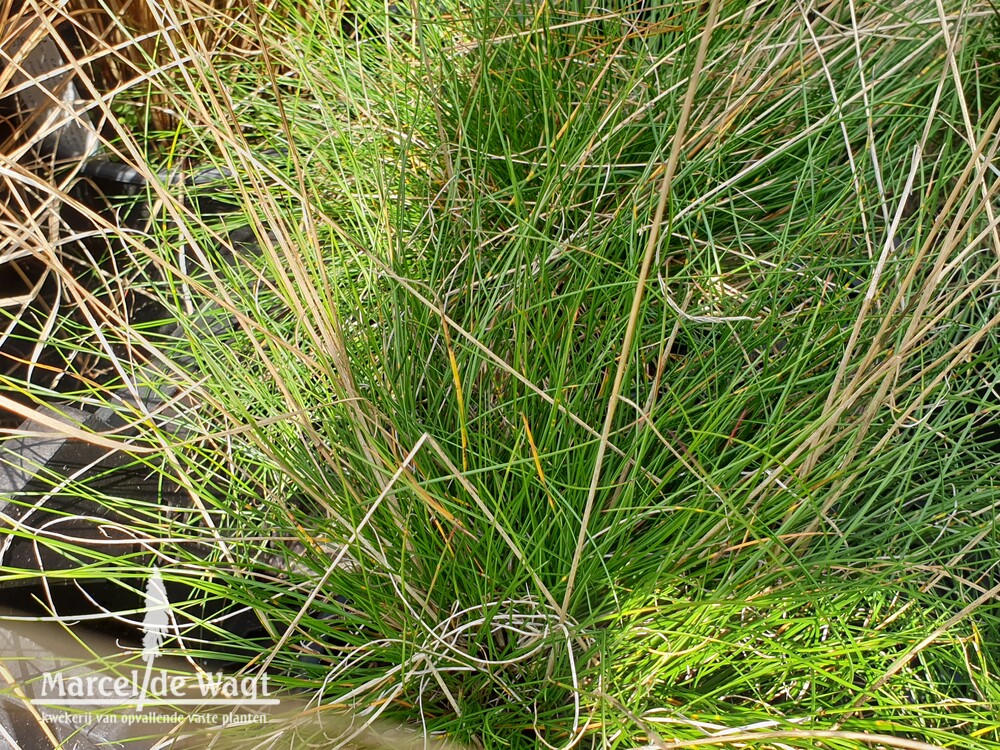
{"points": [[585, 375]]}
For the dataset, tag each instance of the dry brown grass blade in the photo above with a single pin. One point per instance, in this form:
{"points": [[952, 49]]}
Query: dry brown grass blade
{"points": [[624, 357]]}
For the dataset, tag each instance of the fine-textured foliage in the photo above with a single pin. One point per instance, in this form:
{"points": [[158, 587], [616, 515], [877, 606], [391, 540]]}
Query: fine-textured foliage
{"points": [[394, 387]]}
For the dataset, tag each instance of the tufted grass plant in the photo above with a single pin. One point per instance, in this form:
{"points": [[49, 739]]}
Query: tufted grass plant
{"points": [[600, 376]]}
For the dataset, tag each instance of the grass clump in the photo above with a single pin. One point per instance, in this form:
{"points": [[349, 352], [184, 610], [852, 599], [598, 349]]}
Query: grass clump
{"points": [[487, 444]]}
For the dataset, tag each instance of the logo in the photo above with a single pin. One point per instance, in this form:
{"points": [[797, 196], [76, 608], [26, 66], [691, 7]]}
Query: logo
{"points": [[152, 686], [154, 626]]}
